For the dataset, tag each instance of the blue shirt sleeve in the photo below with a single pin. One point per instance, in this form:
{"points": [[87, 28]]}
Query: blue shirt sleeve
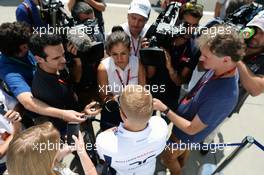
{"points": [[16, 83]]}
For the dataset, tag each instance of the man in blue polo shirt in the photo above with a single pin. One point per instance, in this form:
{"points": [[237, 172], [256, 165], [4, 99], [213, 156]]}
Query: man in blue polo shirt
{"points": [[211, 100]]}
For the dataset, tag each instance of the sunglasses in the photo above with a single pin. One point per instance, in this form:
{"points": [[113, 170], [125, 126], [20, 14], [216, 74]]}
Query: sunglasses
{"points": [[194, 6]]}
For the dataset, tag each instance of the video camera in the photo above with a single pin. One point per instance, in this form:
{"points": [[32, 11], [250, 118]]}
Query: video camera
{"points": [[244, 14], [160, 34], [86, 36], [54, 14], [239, 18]]}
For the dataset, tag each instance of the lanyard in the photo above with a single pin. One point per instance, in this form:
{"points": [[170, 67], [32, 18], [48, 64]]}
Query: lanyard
{"points": [[201, 83], [133, 45], [121, 81]]}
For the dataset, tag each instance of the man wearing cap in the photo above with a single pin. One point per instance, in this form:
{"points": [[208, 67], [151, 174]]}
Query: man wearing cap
{"points": [[136, 28], [251, 70]]}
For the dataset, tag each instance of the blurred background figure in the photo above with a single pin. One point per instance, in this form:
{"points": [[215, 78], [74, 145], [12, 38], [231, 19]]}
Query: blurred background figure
{"points": [[225, 7], [28, 12]]}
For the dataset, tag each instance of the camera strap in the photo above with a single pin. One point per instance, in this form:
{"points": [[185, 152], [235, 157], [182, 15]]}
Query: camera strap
{"points": [[121, 81]]}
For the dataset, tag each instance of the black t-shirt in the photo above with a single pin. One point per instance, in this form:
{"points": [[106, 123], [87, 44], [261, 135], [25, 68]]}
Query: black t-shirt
{"points": [[181, 57], [56, 92]]}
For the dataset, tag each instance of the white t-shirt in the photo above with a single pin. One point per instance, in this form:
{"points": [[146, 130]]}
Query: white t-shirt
{"points": [[9, 103], [133, 153], [135, 42], [128, 75]]}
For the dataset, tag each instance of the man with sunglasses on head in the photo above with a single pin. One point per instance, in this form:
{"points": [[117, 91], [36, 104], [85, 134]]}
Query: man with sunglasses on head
{"points": [[181, 57], [132, 147], [211, 100], [251, 69]]}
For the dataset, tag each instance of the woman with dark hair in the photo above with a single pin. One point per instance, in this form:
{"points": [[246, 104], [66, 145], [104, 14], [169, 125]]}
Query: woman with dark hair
{"points": [[115, 72]]}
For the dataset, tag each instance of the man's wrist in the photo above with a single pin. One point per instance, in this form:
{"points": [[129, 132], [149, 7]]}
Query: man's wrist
{"points": [[165, 112], [172, 72]]}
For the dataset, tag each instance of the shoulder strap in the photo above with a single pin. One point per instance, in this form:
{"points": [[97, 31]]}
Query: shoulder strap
{"points": [[29, 12]]}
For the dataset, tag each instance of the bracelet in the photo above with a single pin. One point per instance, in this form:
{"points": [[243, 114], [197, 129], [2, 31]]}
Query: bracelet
{"points": [[62, 117], [165, 112]]}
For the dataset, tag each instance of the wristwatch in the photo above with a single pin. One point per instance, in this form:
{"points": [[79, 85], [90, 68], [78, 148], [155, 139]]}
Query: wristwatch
{"points": [[165, 112]]}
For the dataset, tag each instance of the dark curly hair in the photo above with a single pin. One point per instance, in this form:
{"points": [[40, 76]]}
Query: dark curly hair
{"points": [[13, 35]]}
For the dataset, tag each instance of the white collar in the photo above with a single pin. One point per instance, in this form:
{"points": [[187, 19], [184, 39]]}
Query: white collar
{"points": [[139, 136]]}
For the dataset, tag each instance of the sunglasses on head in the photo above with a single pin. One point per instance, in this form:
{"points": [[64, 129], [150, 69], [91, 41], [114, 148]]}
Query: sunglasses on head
{"points": [[194, 6]]}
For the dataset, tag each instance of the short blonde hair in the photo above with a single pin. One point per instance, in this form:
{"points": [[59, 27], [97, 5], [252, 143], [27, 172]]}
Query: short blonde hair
{"points": [[23, 158], [136, 103]]}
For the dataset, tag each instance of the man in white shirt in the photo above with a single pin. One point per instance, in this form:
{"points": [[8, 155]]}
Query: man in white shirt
{"points": [[132, 147], [135, 27]]}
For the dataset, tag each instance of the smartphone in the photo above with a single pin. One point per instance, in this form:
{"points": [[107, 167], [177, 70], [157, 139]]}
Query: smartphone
{"points": [[73, 128]]}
